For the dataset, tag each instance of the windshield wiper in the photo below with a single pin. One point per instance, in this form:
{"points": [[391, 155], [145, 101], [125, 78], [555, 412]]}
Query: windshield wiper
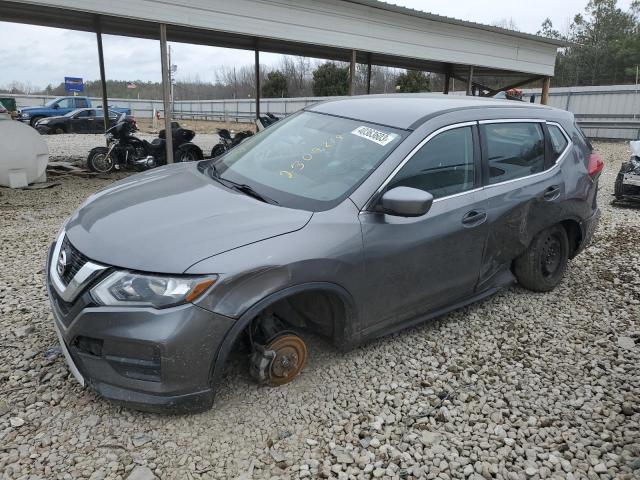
{"points": [[240, 187]]}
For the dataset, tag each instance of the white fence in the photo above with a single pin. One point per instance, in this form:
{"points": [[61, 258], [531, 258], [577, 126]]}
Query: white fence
{"points": [[606, 112]]}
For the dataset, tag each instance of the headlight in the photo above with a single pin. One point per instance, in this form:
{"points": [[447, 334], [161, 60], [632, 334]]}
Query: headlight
{"points": [[43, 122], [25, 115], [132, 289]]}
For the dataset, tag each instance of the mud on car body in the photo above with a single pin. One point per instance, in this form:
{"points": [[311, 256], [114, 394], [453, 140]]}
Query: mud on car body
{"points": [[350, 219]]}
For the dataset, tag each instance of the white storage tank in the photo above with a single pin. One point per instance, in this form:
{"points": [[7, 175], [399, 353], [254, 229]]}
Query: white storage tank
{"points": [[23, 154]]}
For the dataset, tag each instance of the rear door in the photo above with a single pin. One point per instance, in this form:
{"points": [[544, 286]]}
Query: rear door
{"points": [[418, 265], [524, 186]]}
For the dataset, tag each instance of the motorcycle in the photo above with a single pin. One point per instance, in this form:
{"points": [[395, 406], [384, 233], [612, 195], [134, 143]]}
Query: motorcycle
{"points": [[127, 151], [229, 140]]}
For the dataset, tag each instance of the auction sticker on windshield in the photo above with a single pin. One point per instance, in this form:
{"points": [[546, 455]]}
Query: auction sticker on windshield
{"points": [[381, 138]]}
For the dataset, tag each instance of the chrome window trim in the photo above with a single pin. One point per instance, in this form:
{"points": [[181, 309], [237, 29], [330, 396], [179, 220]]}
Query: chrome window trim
{"points": [[411, 154], [395, 171], [86, 274]]}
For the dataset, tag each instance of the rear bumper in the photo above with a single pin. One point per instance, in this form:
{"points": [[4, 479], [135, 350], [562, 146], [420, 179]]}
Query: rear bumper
{"points": [[588, 228], [145, 358]]}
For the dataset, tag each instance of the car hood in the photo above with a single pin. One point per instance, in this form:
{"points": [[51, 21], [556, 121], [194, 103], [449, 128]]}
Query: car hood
{"points": [[169, 218], [32, 109]]}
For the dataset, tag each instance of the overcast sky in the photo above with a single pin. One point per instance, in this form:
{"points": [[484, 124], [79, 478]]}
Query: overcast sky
{"points": [[40, 55]]}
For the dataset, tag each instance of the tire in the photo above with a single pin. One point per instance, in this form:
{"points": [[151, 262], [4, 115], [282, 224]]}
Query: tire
{"points": [[58, 130], [189, 153], [217, 150], [96, 161], [618, 187], [34, 120], [541, 267]]}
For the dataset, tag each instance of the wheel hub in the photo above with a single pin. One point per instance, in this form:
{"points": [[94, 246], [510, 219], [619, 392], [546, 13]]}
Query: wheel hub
{"points": [[551, 256], [281, 360]]}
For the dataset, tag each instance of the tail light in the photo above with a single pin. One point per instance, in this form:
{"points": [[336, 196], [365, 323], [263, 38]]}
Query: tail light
{"points": [[595, 165]]}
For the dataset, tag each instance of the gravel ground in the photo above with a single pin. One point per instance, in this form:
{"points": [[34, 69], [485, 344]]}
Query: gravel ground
{"points": [[75, 148], [520, 386]]}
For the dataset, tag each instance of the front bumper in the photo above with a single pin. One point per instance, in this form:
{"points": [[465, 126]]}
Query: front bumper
{"points": [[149, 359]]}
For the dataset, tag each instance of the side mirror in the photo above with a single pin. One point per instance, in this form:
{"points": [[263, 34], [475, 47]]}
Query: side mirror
{"points": [[56, 106], [406, 202]]}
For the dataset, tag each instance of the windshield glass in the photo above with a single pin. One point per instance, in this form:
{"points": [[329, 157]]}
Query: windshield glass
{"points": [[50, 102], [72, 113], [310, 160]]}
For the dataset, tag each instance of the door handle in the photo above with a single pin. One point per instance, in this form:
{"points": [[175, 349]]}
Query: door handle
{"points": [[551, 193], [474, 218]]}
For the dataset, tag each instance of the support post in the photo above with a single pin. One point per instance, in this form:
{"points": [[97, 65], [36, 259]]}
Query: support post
{"points": [[166, 93], [470, 81], [447, 80], [546, 84], [103, 79], [257, 73], [352, 74], [369, 75]]}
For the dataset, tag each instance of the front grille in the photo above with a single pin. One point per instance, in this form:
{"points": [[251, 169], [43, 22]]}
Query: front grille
{"points": [[75, 261]]}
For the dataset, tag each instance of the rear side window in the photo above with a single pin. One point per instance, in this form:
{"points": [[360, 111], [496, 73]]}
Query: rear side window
{"points": [[514, 150], [558, 141], [443, 166]]}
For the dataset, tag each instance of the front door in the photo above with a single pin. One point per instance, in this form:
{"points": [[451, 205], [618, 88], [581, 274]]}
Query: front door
{"points": [[419, 265]]}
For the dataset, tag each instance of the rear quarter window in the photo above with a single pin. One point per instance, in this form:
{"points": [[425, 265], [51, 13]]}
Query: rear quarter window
{"points": [[558, 141]]}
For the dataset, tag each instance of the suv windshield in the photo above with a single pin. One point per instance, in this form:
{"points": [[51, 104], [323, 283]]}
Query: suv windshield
{"points": [[310, 161]]}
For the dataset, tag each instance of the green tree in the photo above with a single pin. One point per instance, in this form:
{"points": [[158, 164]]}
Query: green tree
{"points": [[329, 80], [275, 86], [604, 45], [413, 81]]}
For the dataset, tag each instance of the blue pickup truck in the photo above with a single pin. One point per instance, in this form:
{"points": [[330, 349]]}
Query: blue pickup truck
{"points": [[57, 107]]}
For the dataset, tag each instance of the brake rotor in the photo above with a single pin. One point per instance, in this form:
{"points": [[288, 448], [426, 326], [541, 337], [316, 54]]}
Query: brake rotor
{"points": [[290, 358]]}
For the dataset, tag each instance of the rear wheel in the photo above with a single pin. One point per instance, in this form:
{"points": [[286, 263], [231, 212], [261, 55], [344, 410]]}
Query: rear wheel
{"points": [[99, 161], [188, 154], [541, 267], [217, 150]]}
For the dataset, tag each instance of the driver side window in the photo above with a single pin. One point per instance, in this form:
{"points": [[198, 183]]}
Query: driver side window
{"points": [[443, 166], [66, 103]]}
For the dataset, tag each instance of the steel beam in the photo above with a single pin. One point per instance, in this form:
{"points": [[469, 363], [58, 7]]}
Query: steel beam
{"points": [[352, 74], [368, 74], [166, 93], [470, 81], [257, 73], [103, 79], [546, 84]]}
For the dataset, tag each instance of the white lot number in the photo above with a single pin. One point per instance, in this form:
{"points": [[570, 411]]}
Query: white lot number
{"points": [[381, 138]]}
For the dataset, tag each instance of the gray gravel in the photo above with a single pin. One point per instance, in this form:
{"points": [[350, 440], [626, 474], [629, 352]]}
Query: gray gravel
{"points": [[75, 148], [520, 386]]}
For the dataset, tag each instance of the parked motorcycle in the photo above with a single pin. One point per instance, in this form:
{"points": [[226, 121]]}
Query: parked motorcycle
{"points": [[229, 140], [127, 151]]}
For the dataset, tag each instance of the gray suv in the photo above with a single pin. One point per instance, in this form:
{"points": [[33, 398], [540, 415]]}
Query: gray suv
{"points": [[350, 219]]}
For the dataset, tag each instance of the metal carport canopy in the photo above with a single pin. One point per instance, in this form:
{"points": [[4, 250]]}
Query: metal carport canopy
{"points": [[381, 33]]}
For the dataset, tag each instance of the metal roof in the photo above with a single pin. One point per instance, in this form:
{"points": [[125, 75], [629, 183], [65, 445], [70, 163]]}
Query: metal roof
{"points": [[392, 7], [381, 33]]}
